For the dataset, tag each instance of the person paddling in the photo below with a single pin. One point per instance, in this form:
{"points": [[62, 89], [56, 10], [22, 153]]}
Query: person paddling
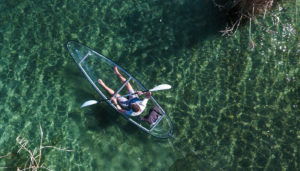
{"points": [[132, 106]]}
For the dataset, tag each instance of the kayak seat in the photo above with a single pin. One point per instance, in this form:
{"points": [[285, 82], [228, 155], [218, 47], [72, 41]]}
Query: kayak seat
{"points": [[153, 115]]}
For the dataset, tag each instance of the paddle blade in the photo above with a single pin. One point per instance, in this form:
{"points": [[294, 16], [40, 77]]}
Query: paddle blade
{"points": [[88, 103], [161, 87]]}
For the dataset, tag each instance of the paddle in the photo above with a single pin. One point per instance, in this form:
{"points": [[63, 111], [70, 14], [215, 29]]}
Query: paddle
{"points": [[88, 103], [156, 88]]}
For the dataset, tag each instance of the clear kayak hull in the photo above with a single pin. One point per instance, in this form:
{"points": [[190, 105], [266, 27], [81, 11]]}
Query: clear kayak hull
{"points": [[95, 66]]}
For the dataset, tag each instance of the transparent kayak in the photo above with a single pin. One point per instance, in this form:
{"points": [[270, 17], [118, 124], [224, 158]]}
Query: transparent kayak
{"points": [[95, 66]]}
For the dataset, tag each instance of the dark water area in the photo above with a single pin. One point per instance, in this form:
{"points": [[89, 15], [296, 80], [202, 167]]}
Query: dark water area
{"points": [[233, 106]]}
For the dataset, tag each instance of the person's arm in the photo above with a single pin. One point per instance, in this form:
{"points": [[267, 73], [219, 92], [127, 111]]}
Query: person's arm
{"points": [[114, 100], [146, 99], [147, 93]]}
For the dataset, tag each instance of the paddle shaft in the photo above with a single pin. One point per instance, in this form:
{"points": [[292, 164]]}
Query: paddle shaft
{"points": [[122, 96], [156, 88], [133, 93]]}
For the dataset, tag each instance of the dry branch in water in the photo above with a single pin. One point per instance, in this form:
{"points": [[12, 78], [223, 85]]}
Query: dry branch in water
{"points": [[34, 161], [241, 11], [5, 155]]}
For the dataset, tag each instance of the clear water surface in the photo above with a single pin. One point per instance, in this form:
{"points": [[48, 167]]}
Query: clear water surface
{"points": [[233, 107]]}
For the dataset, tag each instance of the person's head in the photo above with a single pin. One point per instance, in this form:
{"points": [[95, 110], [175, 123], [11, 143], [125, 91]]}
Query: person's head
{"points": [[135, 107]]}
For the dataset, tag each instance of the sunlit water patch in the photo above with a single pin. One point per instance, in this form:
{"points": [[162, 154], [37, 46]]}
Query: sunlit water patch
{"points": [[233, 107]]}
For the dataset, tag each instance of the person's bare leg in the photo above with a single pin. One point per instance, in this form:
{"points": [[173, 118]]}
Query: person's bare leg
{"points": [[123, 79], [109, 90]]}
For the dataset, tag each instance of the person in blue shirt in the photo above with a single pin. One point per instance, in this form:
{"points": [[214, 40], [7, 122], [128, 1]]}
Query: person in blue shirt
{"points": [[132, 106]]}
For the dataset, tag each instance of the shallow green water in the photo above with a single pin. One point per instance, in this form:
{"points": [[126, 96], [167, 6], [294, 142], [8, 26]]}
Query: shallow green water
{"points": [[233, 108]]}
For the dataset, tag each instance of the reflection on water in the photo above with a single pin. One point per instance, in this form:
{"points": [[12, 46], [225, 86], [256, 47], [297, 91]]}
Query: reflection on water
{"points": [[232, 107]]}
